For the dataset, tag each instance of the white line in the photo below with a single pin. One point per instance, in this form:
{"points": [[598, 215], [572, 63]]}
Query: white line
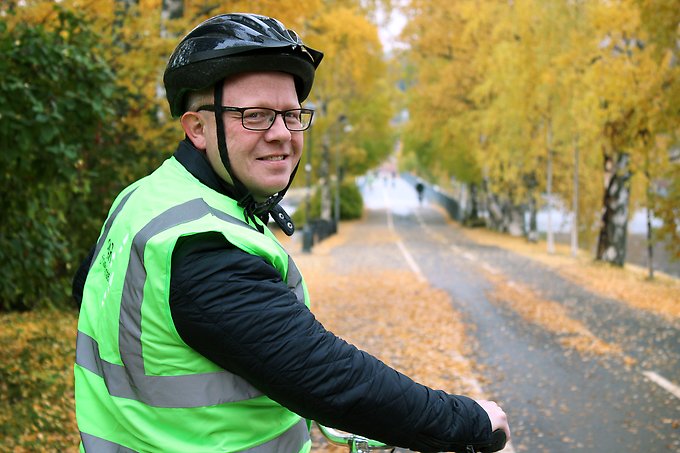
{"points": [[469, 256], [490, 268], [411, 262], [472, 382], [663, 382]]}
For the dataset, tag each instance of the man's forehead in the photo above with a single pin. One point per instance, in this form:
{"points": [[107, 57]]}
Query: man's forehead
{"points": [[257, 78], [256, 85]]}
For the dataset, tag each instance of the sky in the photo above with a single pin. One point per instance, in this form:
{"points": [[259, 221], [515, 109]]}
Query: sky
{"points": [[390, 30]]}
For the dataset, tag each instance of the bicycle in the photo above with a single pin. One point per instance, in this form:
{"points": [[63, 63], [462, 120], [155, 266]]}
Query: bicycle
{"points": [[360, 444]]}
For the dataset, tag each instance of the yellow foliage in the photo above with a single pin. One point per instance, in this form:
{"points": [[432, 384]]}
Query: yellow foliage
{"points": [[539, 77], [37, 351]]}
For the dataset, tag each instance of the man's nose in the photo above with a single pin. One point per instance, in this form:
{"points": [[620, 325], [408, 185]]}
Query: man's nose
{"points": [[278, 127]]}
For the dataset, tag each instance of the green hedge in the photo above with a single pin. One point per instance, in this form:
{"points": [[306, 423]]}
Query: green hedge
{"points": [[351, 204], [63, 154]]}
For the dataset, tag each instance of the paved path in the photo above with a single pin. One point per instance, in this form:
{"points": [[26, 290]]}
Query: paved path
{"points": [[557, 400]]}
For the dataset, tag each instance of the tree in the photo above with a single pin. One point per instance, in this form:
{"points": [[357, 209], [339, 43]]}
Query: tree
{"points": [[57, 103], [534, 96], [350, 94], [443, 133], [632, 114]]}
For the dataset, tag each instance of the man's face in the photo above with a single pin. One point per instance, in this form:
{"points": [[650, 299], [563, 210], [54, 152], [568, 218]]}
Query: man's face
{"points": [[262, 160]]}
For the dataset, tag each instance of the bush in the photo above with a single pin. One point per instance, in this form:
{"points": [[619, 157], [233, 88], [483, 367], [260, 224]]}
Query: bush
{"points": [[61, 158], [351, 201], [351, 204]]}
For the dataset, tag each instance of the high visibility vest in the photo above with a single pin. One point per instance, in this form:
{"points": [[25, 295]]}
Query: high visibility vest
{"points": [[138, 386]]}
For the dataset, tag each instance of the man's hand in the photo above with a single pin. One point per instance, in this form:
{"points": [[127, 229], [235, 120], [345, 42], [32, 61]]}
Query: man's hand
{"points": [[497, 416]]}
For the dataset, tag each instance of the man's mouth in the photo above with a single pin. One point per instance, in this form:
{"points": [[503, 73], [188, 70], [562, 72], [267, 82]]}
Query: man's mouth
{"points": [[273, 158]]}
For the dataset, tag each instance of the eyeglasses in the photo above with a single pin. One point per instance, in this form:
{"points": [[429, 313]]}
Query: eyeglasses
{"points": [[261, 118]]}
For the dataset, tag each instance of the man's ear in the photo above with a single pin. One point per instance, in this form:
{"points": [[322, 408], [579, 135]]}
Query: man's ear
{"points": [[194, 126]]}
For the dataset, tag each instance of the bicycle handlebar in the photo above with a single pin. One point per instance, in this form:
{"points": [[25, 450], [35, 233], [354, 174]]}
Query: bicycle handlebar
{"points": [[361, 444], [498, 441], [358, 444]]}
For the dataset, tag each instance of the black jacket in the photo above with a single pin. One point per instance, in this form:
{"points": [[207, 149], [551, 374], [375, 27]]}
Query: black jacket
{"points": [[257, 329]]}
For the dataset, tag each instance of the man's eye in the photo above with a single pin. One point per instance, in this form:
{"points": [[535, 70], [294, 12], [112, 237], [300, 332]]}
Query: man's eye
{"points": [[255, 114], [293, 115]]}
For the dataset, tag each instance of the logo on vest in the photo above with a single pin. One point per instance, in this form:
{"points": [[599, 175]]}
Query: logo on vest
{"points": [[107, 257]]}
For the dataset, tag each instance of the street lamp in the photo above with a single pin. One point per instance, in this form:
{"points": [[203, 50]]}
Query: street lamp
{"points": [[307, 233], [339, 171]]}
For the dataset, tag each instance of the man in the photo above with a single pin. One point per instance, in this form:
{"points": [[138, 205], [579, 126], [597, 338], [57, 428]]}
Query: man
{"points": [[194, 332]]}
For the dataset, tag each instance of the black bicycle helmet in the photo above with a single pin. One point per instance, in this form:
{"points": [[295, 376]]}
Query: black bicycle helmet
{"points": [[229, 44]]}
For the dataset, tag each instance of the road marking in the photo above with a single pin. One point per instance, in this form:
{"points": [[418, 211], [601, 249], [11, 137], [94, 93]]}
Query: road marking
{"points": [[472, 382], [469, 256], [407, 256], [490, 269], [411, 262], [663, 383]]}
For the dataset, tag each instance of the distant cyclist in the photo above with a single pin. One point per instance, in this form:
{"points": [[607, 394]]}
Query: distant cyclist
{"points": [[194, 331], [420, 188]]}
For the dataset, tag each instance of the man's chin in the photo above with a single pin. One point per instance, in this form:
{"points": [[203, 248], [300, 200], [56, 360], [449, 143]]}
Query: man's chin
{"points": [[265, 195]]}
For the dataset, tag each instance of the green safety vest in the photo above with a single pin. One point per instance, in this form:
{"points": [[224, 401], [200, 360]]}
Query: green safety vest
{"points": [[138, 386]]}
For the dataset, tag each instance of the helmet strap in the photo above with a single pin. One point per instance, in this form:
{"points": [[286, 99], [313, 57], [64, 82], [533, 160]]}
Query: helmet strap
{"points": [[243, 196], [241, 191]]}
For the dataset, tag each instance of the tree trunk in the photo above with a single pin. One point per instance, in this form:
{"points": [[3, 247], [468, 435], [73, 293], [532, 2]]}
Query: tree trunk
{"points": [[325, 180], [611, 246], [549, 232], [531, 184], [495, 210], [532, 234], [650, 203], [173, 9], [650, 246], [471, 210], [574, 204], [514, 223], [474, 205], [121, 10], [170, 10], [506, 217]]}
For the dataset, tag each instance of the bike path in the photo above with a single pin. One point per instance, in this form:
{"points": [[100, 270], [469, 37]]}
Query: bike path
{"points": [[557, 399]]}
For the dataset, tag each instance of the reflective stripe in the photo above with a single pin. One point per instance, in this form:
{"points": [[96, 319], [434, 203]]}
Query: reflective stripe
{"points": [[192, 390], [107, 226], [290, 441], [130, 380], [294, 280], [130, 321], [95, 444]]}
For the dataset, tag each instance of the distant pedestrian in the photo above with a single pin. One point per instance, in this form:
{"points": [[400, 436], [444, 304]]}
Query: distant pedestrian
{"points": [[420, 188]]}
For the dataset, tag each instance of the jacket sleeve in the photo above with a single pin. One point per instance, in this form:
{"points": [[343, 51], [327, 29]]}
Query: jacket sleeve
{"points": [[234, 308], [79, 278]]}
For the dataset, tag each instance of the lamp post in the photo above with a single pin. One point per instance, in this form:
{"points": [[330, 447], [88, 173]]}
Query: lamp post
{"points": [[339, 171], [307, 232]]}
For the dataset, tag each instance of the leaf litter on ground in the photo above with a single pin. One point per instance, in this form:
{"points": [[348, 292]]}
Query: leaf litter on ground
{"points": [[367, 307]]}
